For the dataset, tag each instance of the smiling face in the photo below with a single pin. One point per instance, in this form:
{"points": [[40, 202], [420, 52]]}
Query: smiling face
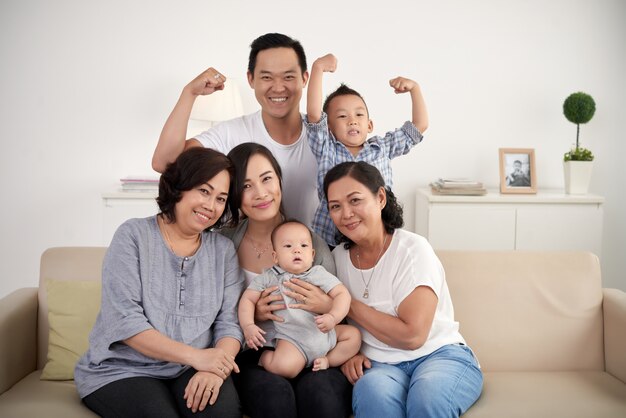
{"points": [[355, 210], [349, 121], [278, 81], [202, 206], [261, 194], [293, 247]]}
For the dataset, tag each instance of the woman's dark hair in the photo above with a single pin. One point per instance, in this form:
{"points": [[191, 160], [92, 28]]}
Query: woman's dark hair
{"points": [[192, 168], [275, 40], [240, 155], [370, 177]]}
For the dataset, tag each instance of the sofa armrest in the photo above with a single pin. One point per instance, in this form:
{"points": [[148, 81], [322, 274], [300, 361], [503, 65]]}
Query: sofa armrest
{"points": [[614, 309], [18, 336]]}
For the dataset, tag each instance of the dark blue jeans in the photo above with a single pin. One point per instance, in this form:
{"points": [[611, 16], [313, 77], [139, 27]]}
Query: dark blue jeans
{"points": [[322, 394]]}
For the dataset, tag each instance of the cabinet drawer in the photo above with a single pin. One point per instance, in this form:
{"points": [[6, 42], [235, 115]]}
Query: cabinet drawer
{"points": [[466, 227], [549, 220], [560, 227]]}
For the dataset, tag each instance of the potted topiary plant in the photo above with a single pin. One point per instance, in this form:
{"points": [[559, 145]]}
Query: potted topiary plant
{"points": [[578, 108]]}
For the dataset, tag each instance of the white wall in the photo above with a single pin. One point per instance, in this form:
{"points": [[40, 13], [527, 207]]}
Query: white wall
{"points": [[86, 86]]}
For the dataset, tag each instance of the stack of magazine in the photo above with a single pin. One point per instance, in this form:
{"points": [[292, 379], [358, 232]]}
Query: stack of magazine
{"points": [[140, 184], [457, 186]]}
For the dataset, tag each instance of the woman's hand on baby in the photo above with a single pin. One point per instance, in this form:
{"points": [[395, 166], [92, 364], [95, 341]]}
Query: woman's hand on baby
{"points": [[308, 297], [214, 360], [206, 83], [353, 368], [325, 322], [202, 388], [402, 85], [254, 336], [263, 311]]}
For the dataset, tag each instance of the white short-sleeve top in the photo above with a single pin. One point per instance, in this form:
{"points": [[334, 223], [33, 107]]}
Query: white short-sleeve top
{"points": [[408, 263]]}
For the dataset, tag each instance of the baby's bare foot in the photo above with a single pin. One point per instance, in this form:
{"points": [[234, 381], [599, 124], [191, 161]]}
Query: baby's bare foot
{"points": [[320, 364]]}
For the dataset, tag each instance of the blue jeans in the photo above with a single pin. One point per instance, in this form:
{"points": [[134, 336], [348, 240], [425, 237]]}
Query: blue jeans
{"points": [[444, 383]]}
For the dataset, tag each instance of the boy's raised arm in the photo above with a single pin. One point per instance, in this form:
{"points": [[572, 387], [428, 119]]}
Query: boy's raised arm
{"points": [[172, 140], [327, 63], [419, 114]]}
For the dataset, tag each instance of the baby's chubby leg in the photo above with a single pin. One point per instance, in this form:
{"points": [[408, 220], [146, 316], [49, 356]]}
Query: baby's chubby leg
{"points": [[286, 360], [348, 344]]}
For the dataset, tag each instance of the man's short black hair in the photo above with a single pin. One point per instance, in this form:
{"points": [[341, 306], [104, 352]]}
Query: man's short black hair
{"points": [[275, 40]]}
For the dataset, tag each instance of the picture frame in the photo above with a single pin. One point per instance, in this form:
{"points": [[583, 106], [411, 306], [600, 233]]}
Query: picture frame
{"points": [[517, 170]]}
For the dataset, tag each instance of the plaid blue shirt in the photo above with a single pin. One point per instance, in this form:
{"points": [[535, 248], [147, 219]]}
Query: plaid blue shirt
{"points": [[377, 151]]}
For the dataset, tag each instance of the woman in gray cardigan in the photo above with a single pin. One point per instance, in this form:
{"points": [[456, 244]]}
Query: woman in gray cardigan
{"points": [[166, 337]]}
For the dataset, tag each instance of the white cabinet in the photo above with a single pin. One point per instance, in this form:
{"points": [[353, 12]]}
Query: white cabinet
{"points": [[548, 220], [120, 206]]}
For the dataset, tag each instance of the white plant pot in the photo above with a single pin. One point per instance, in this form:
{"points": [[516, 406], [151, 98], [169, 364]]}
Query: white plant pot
{"points": [[577, 176]]}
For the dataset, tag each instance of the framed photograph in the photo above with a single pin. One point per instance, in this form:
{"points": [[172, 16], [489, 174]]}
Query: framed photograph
{"points": [[517, 170]]}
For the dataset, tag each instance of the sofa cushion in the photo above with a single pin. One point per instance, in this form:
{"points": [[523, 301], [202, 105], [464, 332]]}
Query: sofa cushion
{"points": [[528, 311], [63, 263], [32, 397], [581, 394], [72, 309]]}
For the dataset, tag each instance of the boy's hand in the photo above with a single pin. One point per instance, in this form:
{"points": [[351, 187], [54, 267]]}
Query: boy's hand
{"points": [[325, 322], [254, 336], [206, 83], [327, 63], [402, 85]]}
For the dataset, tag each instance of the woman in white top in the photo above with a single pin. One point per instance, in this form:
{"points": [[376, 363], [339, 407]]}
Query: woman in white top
{"points": [[257, 194], [413, 360]]}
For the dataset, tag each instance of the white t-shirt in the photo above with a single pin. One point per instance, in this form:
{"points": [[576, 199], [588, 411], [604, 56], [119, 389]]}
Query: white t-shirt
{"points": [[409, 262], [296, 160]]}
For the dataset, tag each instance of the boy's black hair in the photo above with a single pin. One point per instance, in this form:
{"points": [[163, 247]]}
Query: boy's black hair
{"points": [[342, 90]]}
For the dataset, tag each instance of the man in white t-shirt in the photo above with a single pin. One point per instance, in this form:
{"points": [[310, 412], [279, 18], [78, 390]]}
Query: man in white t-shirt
{"points": [[277, 72]]}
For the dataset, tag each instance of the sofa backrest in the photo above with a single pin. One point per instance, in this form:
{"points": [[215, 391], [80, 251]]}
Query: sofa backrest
{"points": [[518, 310], [528, 311], [63, 263]]}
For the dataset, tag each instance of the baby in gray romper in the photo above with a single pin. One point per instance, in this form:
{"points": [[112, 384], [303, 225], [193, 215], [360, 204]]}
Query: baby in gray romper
{"points": [[303, 338]]}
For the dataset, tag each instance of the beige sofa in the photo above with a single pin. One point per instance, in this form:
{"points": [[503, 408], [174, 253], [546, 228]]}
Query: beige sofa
{"points": [[551, 341]]}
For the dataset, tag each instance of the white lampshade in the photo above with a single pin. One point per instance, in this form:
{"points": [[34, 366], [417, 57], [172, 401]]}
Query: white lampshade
{"points": [[219, 106]]}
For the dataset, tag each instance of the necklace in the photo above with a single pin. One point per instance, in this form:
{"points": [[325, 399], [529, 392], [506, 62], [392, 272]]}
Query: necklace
{"points": [[259, 252], [366, 292], [169, 242]]}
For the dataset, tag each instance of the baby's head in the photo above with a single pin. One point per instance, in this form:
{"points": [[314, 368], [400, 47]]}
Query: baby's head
{"points": [[293, 246], [348, 117]]}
